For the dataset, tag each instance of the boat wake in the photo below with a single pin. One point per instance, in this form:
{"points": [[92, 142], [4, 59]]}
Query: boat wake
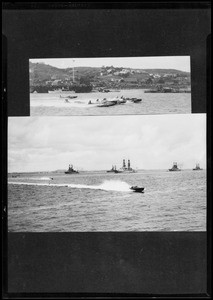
{"points": [[45, 178], [107, 185], [41, 178]]}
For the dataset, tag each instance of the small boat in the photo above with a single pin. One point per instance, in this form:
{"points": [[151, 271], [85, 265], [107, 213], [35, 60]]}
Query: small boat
{"points": [[121, 101], [102, 90], [136, 100], [106, 104], [137, 189], [70, 97], [114, 170]]}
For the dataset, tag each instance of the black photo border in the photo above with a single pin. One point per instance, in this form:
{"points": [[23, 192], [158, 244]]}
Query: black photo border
{"points": [[14, 244]]}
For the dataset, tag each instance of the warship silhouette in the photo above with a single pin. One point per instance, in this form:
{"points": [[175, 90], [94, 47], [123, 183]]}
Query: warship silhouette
{"points": [[71, 170], [123, 169], [197, 168], [175, 167]]}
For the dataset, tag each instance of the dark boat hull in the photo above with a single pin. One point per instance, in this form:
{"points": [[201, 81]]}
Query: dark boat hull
{"points": [[137, 189], [106, 104], [71, 173], [137, 100]]}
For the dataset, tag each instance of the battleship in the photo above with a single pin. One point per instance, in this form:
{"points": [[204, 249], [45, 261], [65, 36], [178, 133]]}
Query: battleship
{"points": [[197, 168], [126, 169], [123, 169], [71, 170], [174, 167]]}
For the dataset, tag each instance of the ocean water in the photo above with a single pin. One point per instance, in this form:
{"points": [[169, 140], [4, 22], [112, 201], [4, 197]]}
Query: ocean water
{"points": [[152, 103], [100, 201]]}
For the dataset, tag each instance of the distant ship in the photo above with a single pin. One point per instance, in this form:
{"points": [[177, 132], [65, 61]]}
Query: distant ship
{"points": [[197, 168], [71, 170], [126, 169], [161, 89], [174, 167], [114, 170]]}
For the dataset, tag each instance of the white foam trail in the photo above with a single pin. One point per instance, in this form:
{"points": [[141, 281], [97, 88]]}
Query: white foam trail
{"points": [[50, 103], [34, 183], [36, 178], [107, 185], [43, 178], [115, 185]]}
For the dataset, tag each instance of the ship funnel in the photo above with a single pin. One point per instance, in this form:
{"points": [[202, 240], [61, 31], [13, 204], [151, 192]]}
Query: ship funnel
{"points": [[128, 163]]}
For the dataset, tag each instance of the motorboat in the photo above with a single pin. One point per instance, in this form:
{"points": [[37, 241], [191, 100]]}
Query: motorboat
{"points": [[136, 100], [106, 104], [137, 189], [70, 97]]}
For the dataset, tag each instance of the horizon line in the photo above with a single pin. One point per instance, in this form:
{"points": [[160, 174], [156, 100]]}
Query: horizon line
{"points": [[102, 170]]}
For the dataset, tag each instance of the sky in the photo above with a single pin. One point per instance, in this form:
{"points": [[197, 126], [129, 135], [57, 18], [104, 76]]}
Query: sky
{"points": [[181, 63], [97, 143]]}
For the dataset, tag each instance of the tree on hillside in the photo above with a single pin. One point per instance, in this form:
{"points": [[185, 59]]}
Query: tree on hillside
{"points": [[161, 80], [149, 80], [85, 80]]}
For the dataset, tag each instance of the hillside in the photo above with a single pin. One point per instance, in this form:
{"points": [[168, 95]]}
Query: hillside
{"points": [[42, 75], [165, 71]]}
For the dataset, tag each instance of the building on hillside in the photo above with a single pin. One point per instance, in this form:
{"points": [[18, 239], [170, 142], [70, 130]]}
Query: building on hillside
{"points": [[57, 82]]}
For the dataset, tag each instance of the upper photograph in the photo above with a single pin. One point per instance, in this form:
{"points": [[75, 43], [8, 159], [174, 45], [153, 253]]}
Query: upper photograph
{"points": [[110, 86]]}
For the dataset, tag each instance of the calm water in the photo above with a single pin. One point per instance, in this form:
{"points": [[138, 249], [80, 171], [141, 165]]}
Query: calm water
{"points": [[99, 201], [52, 104]]}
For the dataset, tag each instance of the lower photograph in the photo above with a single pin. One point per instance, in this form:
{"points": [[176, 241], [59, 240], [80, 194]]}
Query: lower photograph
{"points": [[107, 174]]}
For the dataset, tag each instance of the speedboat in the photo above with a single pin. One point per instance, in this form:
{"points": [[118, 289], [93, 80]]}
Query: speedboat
{"points": [[121, 101], [137, 189], [106, 104], [72, 97], [136, 100], [68, 96]]}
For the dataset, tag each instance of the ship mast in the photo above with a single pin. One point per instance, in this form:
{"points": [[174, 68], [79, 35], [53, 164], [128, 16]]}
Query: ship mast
{"points": [[73, 72]]}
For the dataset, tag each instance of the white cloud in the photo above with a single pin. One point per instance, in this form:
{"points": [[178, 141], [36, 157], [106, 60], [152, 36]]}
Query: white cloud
{"points": [[151, 142]]}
